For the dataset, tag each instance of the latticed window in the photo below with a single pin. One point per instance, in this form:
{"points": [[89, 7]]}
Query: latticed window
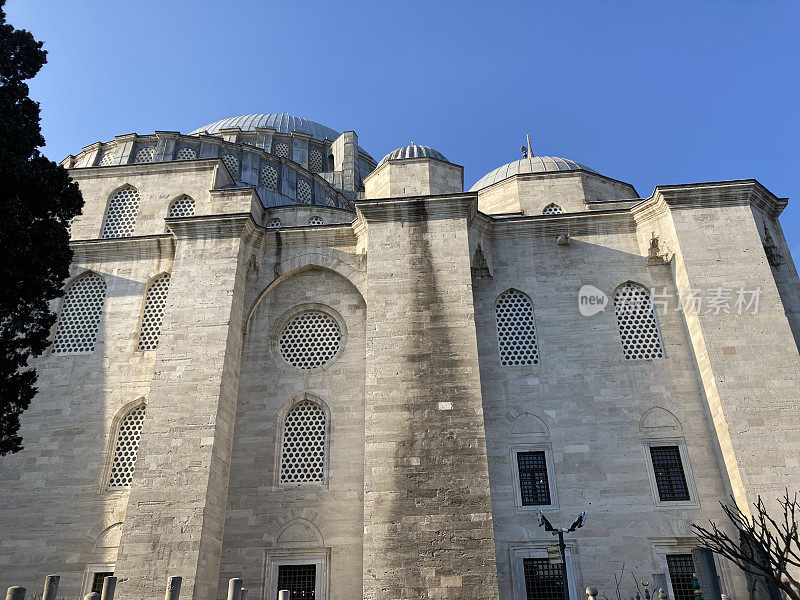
{"points": [[516, 331], [232, 163], [310, 340], [153, 316], [274, 224], [80, 315], [98, 578], [543, 581], [533, 483], [121, 213], [303, 191], [186, 154], [182, 207], [107, 158], [268, 177], [636, 318], [329, 201], [552, 209], [300, 580], [125, 449], [668, 470], [315, 161], [303, 447], [681, 570], [315, 220], [145, 154], [282, 149]]}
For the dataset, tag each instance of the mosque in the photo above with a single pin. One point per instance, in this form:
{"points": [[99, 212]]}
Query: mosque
{"points": [[280, 360]]}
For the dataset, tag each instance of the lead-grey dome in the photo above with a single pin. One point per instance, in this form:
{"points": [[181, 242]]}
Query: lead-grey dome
{"points": [[413, 151], [535, 164], [282, 123]]}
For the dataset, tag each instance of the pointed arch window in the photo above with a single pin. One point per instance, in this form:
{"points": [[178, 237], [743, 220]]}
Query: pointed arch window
{"points": [[121, 213], [636, 318], [154, 304], [182, 207], [552, 209], [303, 444], [126, 448], [516, 330], [232, 162], [80, 314]]}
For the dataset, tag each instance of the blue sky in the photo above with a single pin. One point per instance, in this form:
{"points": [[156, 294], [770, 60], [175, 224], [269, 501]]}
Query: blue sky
{"points": [[650, 93]]}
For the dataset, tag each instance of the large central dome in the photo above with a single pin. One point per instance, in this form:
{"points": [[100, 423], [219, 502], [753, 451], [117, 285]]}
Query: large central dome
{"points": [[282, 123]]}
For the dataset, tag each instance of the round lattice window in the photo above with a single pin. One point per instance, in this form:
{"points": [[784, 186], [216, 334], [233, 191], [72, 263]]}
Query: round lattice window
{"points": [[516, 332], [315, 220], [282, 149], [121, 213], [126, 449], [303, 191], [315, 161], [274, 224], [182, 207], [80, 316], [268, 177], [145, 155], [303, 447], [232, 163], [107, 158], [636, 318], [153, 315], [552, 209], [186, 154], [310, 340]]}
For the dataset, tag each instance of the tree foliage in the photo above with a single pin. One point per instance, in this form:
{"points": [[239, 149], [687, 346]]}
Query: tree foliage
{"points": [[766, 548], [38, 200]]}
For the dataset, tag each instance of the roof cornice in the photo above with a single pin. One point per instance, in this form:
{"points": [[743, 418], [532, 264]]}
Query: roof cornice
{"points": [[417, 208], [127, 248]]}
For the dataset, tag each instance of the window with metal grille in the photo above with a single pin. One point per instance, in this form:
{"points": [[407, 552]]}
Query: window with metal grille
{"points": [[310, 340], [282, 149], [315, 220], [533, 482], [681, 570], [108, 157], [125, 449], [232, 163], [268, 177], [97, 580], [638, 328], [186, 154], [315, 161], [182, 207], [303, 191], [552, 209], [121, 213], [80, 315], [543, 581], [329, 201], [303, 445], [145, 154], [274, 224], [516, 332], [668, 470], [300, 580], [153, 315]]}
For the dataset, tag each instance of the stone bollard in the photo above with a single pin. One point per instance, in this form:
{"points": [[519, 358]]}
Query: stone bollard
{"points": [[234, 589], [15, 592], [173, 588], [109, 587], [50, 587], [92, 596], [284, 595], [243, 594], [591, 592]]}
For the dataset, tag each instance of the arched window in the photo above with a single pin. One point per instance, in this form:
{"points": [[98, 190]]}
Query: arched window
{"points": [[153, 316], [516, 331], [303, 191], [315, 161], [282, 149], [108, 157], [145, 154], [274, 224], [268, 177], [315, 220], [121, 213], [638, 328], [552, 209], [303, 444], [186, 154], [125, 449], [232, 163], [80, 316], [182, 207], [329, 201]]}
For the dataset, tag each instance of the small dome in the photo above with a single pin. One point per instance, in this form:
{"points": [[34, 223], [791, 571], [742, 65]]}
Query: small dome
{"points": [[535, 164], [413, 151]]}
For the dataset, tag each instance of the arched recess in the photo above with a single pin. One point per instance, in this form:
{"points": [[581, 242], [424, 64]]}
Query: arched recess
{"points": [[528, 425], [299, 533], [658, 421]]}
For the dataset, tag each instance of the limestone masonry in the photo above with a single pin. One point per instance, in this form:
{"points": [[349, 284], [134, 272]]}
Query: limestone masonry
{"points": [[280, 361]]}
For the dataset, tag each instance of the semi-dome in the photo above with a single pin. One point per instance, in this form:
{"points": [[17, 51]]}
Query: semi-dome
{"points": [[280, 122], [413, 151], [535, 164]]}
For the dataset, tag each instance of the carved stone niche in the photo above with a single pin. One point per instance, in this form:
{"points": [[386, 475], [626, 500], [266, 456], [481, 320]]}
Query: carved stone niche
{"points": [[654, 256]]}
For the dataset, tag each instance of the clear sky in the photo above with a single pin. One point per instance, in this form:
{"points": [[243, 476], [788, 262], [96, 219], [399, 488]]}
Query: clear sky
{"points": [[650, 93]]}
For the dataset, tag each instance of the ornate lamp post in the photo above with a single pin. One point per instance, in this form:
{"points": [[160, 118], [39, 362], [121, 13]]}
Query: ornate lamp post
{"points": [[579, 522]]}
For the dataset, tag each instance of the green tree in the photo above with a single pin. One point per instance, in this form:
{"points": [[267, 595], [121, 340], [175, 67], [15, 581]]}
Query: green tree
{"points": [[38, 200]]}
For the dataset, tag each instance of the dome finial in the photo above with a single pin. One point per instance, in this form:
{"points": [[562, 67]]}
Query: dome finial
{"points": [[526, 150]]}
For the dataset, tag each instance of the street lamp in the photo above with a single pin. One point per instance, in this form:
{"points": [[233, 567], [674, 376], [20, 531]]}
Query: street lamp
{"points": [[579, 522]]}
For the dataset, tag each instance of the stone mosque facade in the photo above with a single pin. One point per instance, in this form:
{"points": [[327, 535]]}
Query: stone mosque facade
{"points": [[279, 360]]}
